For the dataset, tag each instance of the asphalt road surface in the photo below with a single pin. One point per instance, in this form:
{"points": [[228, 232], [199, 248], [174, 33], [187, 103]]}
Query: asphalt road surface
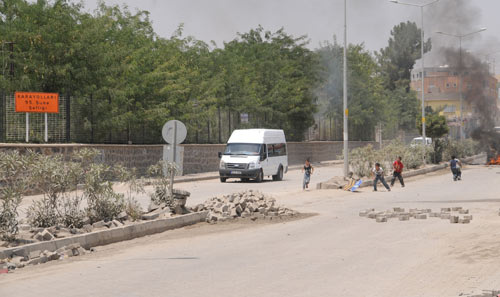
{"points": [[333, 253]]}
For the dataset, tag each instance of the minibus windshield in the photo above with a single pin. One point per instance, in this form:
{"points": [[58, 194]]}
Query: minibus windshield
{"points": [[243, 149]]}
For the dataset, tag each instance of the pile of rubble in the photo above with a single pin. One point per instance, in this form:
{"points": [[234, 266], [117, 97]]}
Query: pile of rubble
{"points": [[246, 204], [21, 257], [456, 215]]}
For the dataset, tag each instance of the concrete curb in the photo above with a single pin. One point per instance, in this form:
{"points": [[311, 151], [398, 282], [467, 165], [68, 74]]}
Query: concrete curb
{"points": [[113, 235], [477, 159]]}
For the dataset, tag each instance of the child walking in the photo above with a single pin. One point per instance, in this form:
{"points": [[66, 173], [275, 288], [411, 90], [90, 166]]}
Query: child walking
{"points": [[308, 170], [378, 171], [455, 165]]}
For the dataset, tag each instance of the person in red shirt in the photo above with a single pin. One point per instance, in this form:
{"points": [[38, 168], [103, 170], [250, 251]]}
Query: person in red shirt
{"points": [[398, 170]]}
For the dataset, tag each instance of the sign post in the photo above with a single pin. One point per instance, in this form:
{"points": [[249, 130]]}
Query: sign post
{"points": [[29, 102], [27, 127], [174, 132]]}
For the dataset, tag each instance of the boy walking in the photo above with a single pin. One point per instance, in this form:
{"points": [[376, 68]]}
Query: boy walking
{"points": [[378, 171], [397, 173], [308, 170], [455, 166]]}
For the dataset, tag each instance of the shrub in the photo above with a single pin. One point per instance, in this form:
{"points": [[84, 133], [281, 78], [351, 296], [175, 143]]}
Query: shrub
{"points": [[363, 159], [15, 179], [460, 149], [160, 175]]}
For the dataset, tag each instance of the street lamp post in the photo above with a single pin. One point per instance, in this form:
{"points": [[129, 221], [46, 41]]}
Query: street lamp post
{"points": [[460, 75], [346, 111], [422, 41]]}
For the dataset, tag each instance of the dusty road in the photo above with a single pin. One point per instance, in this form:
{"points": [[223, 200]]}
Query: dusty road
{"points": [[334, 253]]}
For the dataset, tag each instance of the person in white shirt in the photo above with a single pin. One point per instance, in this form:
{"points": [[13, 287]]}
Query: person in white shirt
{"points": [[378, 171]]}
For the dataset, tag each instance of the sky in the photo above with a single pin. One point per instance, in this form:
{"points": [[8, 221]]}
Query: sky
{"points": [[368, 21]]}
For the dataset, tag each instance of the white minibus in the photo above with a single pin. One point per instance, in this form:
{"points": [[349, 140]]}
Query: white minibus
{"points": [[253, 154]]}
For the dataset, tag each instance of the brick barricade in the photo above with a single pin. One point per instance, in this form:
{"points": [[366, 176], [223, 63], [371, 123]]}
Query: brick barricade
{"points": [[197, 158]]}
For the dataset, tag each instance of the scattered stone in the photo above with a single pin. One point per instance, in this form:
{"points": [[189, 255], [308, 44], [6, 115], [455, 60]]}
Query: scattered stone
{"points": [[245, 204], [153, 206], [381, 219], [363, 213], [86, 221], [454, 219], [122, 216], [45, 235], [87, 228], [20, 252], [155, 214], [24, 227], [100, 224], [117, 223], [463, 221]]}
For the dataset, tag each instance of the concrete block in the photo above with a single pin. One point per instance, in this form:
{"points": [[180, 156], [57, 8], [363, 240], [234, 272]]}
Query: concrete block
{"points": [[34, 254], [363, 213], [398, 209], [445, 209], [20, 252], [381, 219], [421, 216], [463, 221], [468, 217], [454, 219], [434, 215], [457, 208], [100, 224], [463, 211], [445, 216]]}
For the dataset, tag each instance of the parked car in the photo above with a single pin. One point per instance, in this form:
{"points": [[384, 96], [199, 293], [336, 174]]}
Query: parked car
{"points": [[420, 140], [253, 154]]}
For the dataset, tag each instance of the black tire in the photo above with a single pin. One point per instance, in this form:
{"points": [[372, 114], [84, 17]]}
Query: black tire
{"points": [[279, 175], [223, 179], [244, 179], [260, 177]]}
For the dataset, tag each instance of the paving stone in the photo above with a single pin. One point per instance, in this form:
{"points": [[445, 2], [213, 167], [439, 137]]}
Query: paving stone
{"points": [[363, 213], [117, 223], [100, 224], [20, 252], [122, 216], [463, 221], [34, 254], [445, 216]]}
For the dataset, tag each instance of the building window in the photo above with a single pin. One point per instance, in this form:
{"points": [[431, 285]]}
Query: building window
{"points": [[455, 85], [447, 85]]}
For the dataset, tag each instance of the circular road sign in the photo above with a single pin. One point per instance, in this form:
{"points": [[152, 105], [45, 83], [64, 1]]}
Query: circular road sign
{"points": [[168, 132]]}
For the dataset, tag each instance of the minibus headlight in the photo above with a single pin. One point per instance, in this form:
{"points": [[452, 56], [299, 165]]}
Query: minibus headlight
{"points": [[222, 165]]}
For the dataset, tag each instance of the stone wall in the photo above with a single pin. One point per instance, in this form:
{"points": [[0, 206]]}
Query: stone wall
{"points": [[197, 157]]}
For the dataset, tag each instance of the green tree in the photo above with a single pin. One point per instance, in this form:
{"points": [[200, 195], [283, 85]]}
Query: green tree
{"points": [[436, 127], [398, 57]]}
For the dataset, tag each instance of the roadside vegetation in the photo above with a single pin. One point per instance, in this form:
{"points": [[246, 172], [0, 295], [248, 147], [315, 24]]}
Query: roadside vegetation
{"points": [[76, 192], [126, 81]]}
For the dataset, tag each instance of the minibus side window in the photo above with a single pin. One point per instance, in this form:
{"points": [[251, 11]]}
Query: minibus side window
{"points": [[263, 152]]}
